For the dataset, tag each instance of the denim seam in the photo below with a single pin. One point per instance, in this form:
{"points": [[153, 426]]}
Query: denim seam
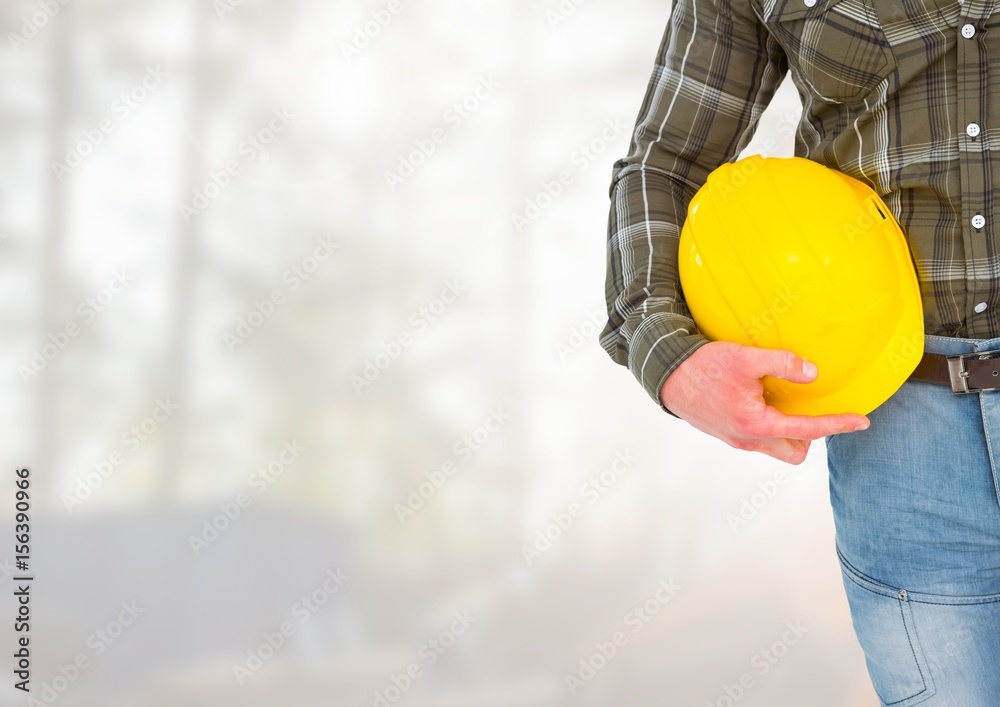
{"points": [[956, 344], [916, 660], [989, 447], [875, 587], [957, 601], [862, 581]]}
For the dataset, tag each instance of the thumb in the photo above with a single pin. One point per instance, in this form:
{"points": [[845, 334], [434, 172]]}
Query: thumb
{"points": [[780, 364]]}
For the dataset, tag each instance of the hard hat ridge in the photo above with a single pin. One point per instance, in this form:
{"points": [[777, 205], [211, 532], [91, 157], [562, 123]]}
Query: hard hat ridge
{"points": [[784, 253]]}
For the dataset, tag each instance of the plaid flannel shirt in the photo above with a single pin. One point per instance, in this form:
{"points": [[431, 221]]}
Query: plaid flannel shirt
{"points": [[895, 93]]}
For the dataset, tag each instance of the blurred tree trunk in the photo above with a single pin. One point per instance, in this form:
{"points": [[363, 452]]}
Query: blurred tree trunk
{"points": [[53, 229], [187, 264], [524, 80]]}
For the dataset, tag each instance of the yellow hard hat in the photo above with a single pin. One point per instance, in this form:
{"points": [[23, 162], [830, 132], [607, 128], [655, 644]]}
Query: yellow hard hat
{"points": [[784, 253]]}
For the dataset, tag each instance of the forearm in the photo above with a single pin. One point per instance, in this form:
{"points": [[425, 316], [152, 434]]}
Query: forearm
{"points": [[716, 70], [649, 330]]}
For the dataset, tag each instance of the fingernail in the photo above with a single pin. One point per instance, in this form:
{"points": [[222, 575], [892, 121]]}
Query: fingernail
{"points": [[862, 426], [809, 369]]}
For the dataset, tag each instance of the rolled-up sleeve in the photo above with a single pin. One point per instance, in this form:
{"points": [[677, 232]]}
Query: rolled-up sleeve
{"points": [[716, 70]]}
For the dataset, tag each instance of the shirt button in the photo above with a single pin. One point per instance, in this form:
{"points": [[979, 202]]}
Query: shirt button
{"points": [[968, 31], [810, 3], [980, 308], [972, 129], [978, 221]]}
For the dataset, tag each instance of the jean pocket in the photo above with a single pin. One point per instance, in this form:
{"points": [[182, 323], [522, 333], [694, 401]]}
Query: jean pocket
{"points": [[883, 623], [836, 48]]}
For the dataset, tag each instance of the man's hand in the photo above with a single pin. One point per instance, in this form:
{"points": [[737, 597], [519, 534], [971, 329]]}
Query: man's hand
{"points": [[718, 390]]}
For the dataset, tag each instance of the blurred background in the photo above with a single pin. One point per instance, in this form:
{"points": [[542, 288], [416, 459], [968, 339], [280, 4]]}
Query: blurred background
{"points": [[300, 313]]}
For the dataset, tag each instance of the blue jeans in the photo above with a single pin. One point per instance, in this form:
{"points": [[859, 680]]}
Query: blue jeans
{"points": [[916, 501]]}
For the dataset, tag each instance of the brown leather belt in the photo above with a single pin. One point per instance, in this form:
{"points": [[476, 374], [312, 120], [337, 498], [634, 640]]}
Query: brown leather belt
{"points": [[965, 373]]}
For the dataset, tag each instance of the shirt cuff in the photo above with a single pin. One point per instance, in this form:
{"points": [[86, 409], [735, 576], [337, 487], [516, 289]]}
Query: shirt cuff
{"points": [[661, 343]]}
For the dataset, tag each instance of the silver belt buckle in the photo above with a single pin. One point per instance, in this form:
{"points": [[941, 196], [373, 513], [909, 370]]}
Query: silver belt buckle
{"points": [[958, 371]]}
